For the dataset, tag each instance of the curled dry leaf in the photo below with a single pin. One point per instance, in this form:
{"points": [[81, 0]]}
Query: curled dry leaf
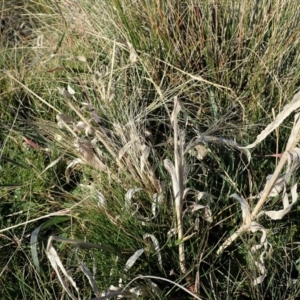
{"points": [[212, 139], [279, 214], [35, 235], [245, 208], [132, 259], [277, 188], [293, 161], [199, 151], [56, 263], [286, 157], [70, 90], [72, 164], [254, 227], [276, 184], [195, 206], [262, 269], [91, 278], [100, 197], [295, 133], [286, 111], [157, 200], [156, 248], [59, 268], [56, 161], [129, 195]]}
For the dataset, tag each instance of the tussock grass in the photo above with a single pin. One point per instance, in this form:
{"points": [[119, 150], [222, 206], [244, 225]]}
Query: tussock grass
{"points": [[110, 111]]}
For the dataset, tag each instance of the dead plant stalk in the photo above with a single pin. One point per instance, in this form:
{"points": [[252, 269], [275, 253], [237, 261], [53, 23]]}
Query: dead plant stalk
{"points": [[292, 142]]}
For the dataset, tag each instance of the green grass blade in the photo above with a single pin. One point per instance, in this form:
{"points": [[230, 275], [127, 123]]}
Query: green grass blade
{"points": [[35, 234]]}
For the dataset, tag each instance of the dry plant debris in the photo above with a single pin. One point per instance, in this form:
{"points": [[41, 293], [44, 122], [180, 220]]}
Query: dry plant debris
{"points": [[277, 184]]}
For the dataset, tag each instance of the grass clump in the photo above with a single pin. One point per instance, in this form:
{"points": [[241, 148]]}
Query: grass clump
{"points": [[122, 158]]}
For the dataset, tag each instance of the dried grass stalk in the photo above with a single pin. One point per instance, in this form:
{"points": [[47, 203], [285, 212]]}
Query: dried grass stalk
{"points": [[292, 165]]}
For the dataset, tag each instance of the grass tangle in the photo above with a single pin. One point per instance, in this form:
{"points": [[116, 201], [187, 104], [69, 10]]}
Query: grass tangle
{"points": [[149, 149]]}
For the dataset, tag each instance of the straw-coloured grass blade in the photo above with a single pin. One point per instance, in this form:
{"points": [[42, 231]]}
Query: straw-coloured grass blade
{"points": [[287, 110], [278, 182]]}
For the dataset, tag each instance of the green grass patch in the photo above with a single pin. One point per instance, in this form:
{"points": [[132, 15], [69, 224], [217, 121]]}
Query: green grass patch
{"points": [[110, 111]]}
